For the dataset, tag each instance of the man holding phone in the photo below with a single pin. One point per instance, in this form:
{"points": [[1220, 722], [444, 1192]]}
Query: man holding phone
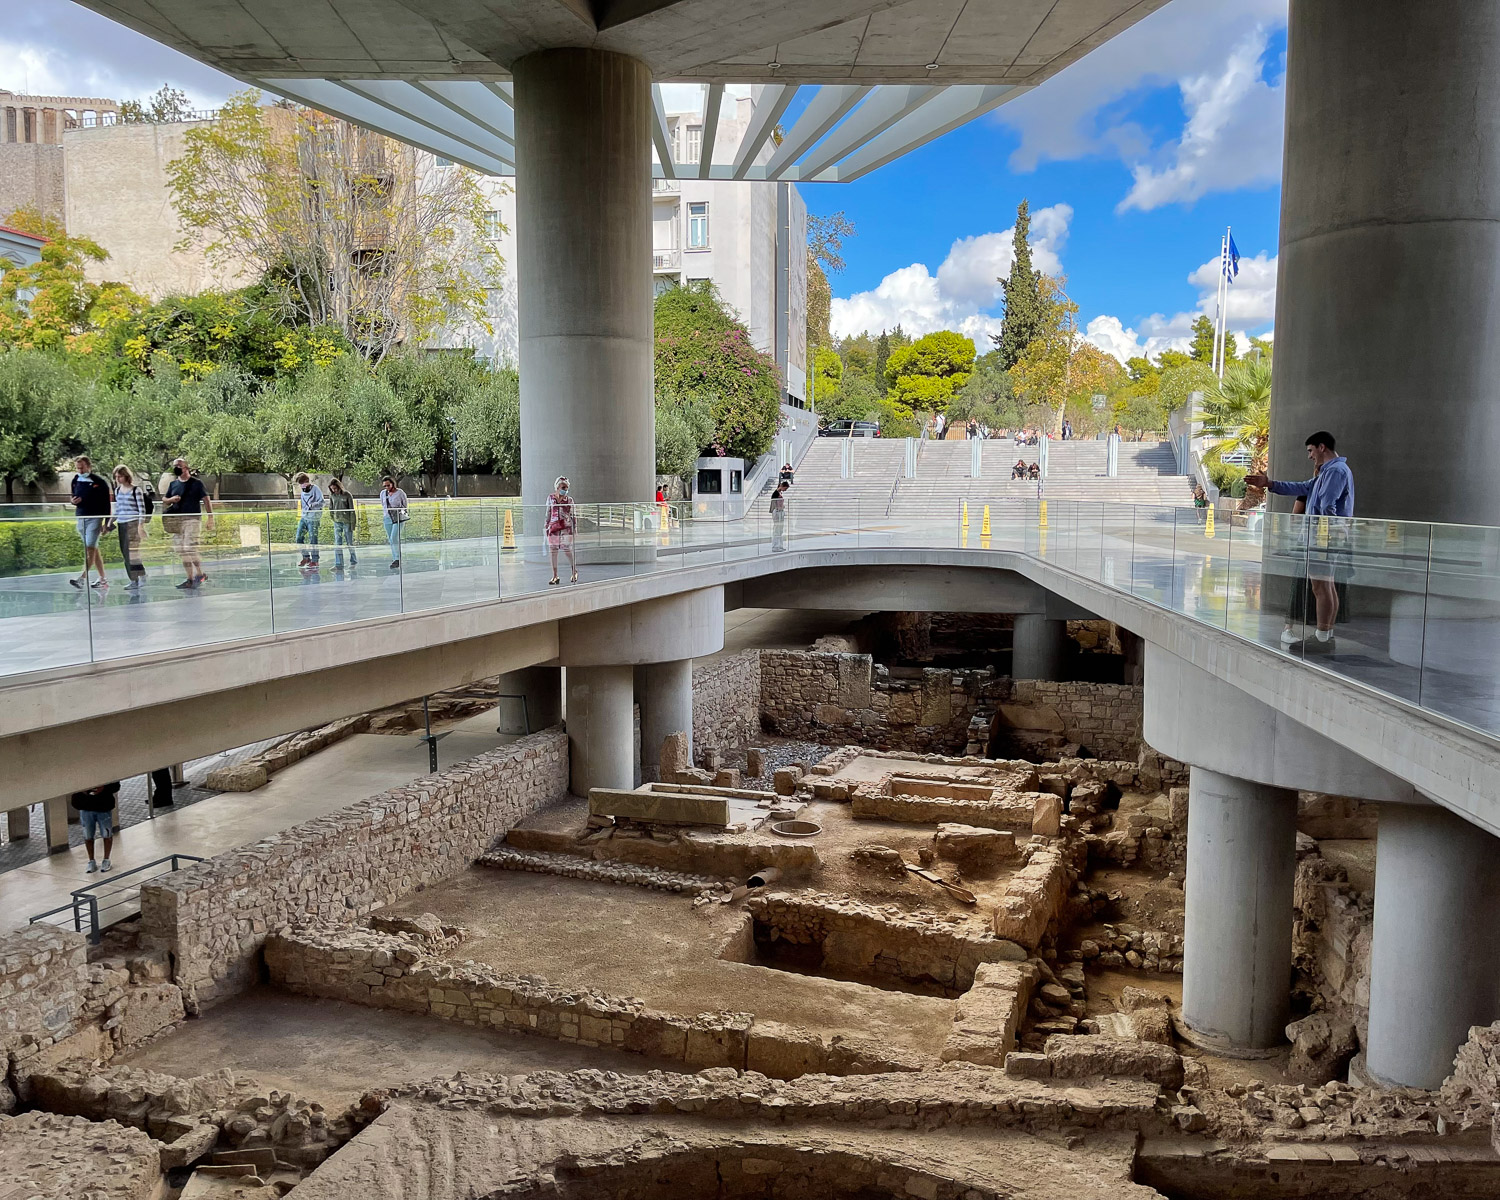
{"points": [[187, 502]]}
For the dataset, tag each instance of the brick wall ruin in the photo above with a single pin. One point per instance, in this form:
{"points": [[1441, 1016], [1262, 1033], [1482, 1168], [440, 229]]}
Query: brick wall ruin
{"points": [[1105, 717], [214, 917], [726, 700]]}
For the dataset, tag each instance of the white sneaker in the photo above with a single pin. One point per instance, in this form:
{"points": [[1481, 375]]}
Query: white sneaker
{"points": [[1289, 636], [99, 583], [91, 868], [104, 866], [133, 586]]}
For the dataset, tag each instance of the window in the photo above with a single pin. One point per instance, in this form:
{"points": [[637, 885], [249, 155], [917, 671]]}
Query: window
{"points": [[736, 481], [710, 482], [692, 144], [491, 225], [698, 225]]}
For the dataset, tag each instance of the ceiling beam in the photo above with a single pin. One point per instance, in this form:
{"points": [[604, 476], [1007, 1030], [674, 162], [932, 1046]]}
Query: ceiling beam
{"points": [[325, 96], [769, 109], [659, 134], [472, 99], [408, 101], [711, 105], [881, 109], [826, 109], [950, 108]]}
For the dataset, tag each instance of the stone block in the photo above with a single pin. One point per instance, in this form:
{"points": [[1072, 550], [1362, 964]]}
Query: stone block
{"points": [[1322, 1046], [785, 780], [240, 777], [727, 777], [972, 847], [1080, 1056], [711, 758], [1032, 718], [784, 1051], [755, 762], [1177, 798], [1020, 1065], [665, 808], [675, 756], [148, 1010], [1046, 815]]}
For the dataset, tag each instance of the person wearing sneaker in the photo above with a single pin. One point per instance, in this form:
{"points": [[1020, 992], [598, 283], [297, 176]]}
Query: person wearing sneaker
{"points": [[187, 503], [310, 525], [91, 506], [129, 523], [1329, 493], [341, 508], [95, 808], [393, 512]]}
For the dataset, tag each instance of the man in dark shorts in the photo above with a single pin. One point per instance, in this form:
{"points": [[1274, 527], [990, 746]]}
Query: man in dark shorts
{"points": [[187, 502], [1329, 493]]}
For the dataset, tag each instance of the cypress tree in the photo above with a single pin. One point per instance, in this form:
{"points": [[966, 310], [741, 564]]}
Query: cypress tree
{"points": [[1022, 322], [882, 353]]}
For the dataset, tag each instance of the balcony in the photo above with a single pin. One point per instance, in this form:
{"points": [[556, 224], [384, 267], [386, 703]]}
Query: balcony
{"points": [[666, 260], [665, 189]]}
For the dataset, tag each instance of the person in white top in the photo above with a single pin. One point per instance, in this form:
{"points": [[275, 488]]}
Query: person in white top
{"points": [[129, 521], [393, 512]]}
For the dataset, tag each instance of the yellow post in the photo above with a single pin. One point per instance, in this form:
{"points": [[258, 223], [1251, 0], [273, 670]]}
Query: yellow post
{"points": [[509, 540], [1208, 522], [984, 528], [1392, 533], [965, 522], [1042, 515], [1323, 532]]}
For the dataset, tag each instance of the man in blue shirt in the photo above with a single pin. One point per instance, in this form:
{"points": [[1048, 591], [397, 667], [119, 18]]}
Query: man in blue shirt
{"points": [[1329, 493], [310, 526]]}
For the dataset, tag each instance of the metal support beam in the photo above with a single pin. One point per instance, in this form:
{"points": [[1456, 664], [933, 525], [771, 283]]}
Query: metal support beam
{"points": [[659, 136], [487, 108], [942, 113], [769, 109], [828, 107], [404, 100], [881, 109], [711, 104]]}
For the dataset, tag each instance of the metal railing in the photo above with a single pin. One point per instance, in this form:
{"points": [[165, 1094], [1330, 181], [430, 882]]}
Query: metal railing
{"points": [[98, 906]]}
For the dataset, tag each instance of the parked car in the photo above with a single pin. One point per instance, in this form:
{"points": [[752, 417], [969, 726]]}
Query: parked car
{"points": [[852, 429]]}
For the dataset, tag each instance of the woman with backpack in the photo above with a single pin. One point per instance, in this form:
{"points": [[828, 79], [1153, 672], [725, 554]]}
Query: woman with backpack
{"points": [[561, 525], [132, 511]]}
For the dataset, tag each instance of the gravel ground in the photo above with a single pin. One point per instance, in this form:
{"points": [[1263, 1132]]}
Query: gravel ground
{"points": [[780, 752]]}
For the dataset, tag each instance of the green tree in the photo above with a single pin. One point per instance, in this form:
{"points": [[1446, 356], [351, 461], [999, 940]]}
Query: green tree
{"points": [[1202, 349], [828, 370], [348, 228], [924, 376], [51, 304], [704, 356], [684, 426], [1168, 359], [1024, 312], [165, 105], [882, 354], [1236, 412], [39, 400], [825, 244], [989, 395], [489, 423]]}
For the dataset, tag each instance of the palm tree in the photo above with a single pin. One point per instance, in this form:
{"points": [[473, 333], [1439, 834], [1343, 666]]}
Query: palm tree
{"points": [[1237, 415]]}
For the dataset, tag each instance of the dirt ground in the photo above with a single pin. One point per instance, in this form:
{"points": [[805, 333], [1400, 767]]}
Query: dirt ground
{"points": [[659, 948], [1356, 857], [332, 1052], [1146, 900]]}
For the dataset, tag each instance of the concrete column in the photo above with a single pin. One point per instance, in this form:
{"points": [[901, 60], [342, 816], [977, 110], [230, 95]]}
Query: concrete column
{"points": [[1435, 954], [1390, 232], [542, 689], [1037, 647], [55, 814], [583, 255], [18, 823], [666, 708], [1237, 962], [601, 741]]}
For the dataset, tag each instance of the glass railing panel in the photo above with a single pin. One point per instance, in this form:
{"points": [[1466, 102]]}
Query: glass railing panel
{"points": [[319, 573], [1200, 565], [1460, 626], [45, 619], [1151, 574], [1244, 584], [1117, 545]]}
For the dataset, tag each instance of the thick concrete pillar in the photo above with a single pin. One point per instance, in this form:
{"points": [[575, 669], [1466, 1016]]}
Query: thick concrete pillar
{"points": [[541, 688], [18, 823], [1037, 647], [1237, 961], [601, 728], [666, 708], [55, 816], [1435, 954], [1390, 234], [583, 255]]}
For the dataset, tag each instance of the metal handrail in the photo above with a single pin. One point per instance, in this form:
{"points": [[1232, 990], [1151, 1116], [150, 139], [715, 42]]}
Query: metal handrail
{"points": [[88, 897]]}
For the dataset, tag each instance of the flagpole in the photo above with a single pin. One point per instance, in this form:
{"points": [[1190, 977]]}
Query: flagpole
{"points": [[1219, 304], [1219, 344]]}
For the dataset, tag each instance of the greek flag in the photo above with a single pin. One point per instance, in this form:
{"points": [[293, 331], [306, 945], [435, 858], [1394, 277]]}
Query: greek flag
{"points": [[1231, 261]]}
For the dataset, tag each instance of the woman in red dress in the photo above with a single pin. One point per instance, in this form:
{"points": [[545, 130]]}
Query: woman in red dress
{"points": [[562, 523]]}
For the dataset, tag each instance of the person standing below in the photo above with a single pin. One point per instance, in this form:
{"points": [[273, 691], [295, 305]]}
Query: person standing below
{"points": [[187, 502], [1329, 493], [161, 787], [96, 812], [562, 524], [393, 512], [129, 522], [341, 508], [788, 476], [310, 523], [778, 518], [91, 505]]}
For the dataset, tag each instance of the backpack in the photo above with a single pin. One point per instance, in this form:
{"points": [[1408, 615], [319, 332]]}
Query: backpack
{"points": [[146, 498]]}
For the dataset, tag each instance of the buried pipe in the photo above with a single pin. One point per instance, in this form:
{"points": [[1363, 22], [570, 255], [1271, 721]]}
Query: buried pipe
{"points": [[763, 877]]}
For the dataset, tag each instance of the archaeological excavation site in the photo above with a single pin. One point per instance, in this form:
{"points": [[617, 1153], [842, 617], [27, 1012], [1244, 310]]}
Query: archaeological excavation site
{"points": [[886, 922]]}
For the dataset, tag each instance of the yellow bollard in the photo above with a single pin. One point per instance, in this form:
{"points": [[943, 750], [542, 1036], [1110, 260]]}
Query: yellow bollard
{"points": [[984, 527], [1323, 532], [509, 540], [965, 521], [1392, 533], [1042, 515], [1208, 523]]}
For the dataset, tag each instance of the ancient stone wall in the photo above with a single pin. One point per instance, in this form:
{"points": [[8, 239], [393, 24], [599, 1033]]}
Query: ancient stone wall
{"points": [[848, 697], [726, 700], [388, 971], [1331, 932], [1105, 717], [44, 990], [214, 917]]}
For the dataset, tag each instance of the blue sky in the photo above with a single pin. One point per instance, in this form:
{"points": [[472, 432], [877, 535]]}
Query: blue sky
{"points": [[1152, 145], [1134, 159]]}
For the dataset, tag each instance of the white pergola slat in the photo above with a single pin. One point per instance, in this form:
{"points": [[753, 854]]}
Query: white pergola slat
{"points": [[845, 131]]}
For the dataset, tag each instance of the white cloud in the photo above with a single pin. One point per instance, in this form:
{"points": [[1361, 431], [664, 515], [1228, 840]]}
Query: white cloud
{"points": [[57, 48], [1233, 133], [1251, 306], [962, 291]]}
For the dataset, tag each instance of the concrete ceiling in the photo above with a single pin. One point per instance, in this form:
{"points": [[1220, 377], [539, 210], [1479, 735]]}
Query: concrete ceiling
{"points": [[896, 73]]}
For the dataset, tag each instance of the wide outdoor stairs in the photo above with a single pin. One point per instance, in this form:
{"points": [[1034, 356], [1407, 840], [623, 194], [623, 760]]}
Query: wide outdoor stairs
{"points": [[1076, 471]]}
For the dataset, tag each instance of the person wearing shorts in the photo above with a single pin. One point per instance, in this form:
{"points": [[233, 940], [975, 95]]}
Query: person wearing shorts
{"points": [[95, 812], [1329, 493], [187, 501], [91, 506]]}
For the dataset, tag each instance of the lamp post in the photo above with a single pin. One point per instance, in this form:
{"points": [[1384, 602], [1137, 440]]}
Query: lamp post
{"points": [[453, 451]]}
